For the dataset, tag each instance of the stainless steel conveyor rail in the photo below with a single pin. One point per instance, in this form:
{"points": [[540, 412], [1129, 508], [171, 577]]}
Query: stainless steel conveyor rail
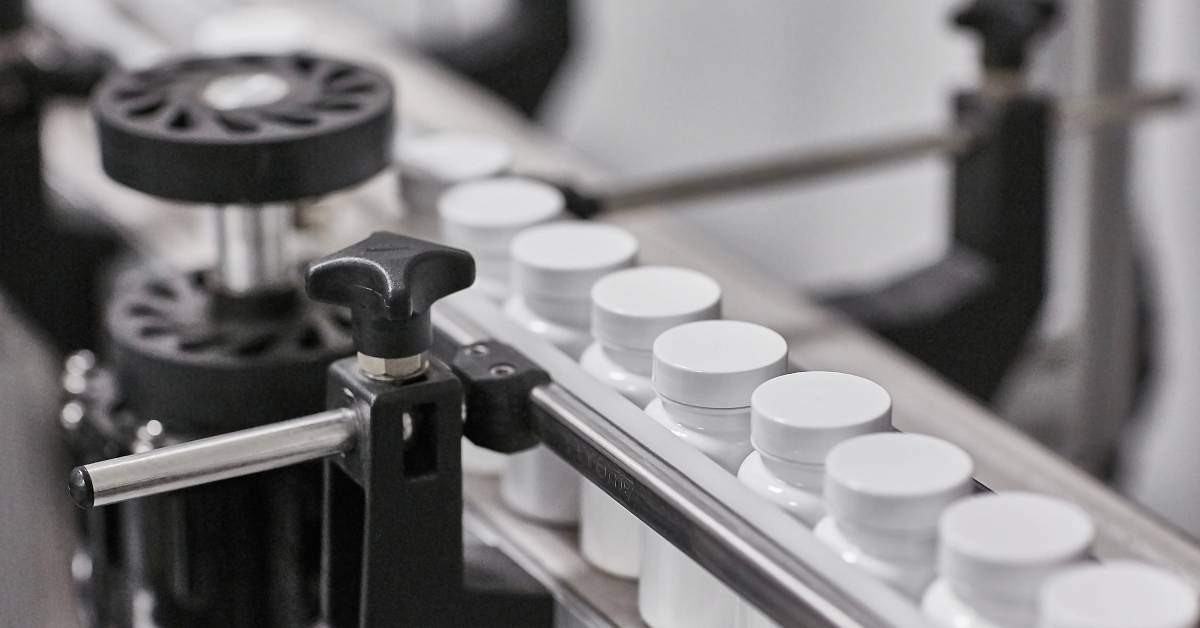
{"points": [[764, 555]]}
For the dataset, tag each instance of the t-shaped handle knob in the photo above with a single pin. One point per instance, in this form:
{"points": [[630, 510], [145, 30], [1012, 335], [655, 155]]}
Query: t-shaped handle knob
{"points": [[1006, 27], [390, 282]]}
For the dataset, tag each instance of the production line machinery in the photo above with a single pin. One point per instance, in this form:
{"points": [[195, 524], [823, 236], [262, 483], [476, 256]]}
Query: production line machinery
{"points": [[390, 511], [257, 357]]}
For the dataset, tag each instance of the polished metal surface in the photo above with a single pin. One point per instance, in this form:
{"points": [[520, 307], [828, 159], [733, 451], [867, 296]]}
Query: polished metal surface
{"points": [[215, 458], [764, 555], [253, 247], [390, 369], [780, 170]]}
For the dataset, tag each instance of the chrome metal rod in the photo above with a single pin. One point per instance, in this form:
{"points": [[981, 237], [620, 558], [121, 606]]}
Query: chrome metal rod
{"points": [[215, 458], [779, 170], [253, 247], [813, 164], [765, 556]]}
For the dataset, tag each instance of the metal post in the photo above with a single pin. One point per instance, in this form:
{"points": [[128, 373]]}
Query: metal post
{"points": [[253, 248], [1108, 326]]}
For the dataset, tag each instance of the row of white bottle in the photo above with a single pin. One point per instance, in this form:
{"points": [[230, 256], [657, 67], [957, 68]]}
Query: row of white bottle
{"points": [[816, 444]]}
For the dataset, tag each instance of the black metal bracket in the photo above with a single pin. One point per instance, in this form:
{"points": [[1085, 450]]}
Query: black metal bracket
{"points": [[497, 381], [969, 315], [393, 539]]}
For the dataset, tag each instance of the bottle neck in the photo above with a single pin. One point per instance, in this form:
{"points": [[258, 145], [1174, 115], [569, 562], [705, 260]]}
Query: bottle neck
{"points": [[632, 360], [909, 546], [567, 312], [713, 420], [1004, 612], [808, 476]]}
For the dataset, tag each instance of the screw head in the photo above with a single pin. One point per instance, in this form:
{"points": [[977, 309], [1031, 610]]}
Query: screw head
{"points": [[502, 370]]}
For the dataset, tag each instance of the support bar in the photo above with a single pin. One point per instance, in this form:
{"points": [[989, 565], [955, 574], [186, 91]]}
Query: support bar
{"points": [[215, 458]]}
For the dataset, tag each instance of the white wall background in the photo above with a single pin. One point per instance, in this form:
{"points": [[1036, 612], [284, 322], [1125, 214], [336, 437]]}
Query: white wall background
{"points": [[659, 86]]}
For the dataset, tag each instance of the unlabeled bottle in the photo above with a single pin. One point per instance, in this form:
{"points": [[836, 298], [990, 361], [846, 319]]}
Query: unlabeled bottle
{"points": [[630, 308], [484, 216], [795, 420], [554, 269], [1120, 594], [430, 164], [704, 374], [884, 494], [994, 553]]}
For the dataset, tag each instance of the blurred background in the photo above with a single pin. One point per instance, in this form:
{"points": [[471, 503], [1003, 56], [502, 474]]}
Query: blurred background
{"points": [[1107, 375]]}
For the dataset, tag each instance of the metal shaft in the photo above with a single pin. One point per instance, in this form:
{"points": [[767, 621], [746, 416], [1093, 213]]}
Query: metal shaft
{"points": [[814, 164], [783, 169], [215, 458], [253, 247]]}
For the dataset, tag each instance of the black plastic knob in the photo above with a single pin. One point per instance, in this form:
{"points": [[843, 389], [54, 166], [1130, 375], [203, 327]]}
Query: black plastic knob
{"points": [[244, 129], [1007, 27], [390, 282]]}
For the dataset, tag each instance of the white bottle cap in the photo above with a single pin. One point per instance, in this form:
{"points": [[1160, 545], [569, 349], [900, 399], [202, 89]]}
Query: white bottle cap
{"points": [[1003, 546], [799, 417], [261, 29], [484, 216], [894, 481], [630, 308], [1118, 595], [562, 261], [716, 364], [449, 158]]}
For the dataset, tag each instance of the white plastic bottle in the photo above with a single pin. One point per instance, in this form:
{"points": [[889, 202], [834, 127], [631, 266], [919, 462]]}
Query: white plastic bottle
{"points": [[795, 420], [884, 493], [484, 216], [995, 552], [554, 269], [430, 164], [630, 308], [704, 374], [1120, 594]]}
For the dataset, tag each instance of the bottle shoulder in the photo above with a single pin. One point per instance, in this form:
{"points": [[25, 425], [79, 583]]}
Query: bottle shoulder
{"points": [[570, 340], [801, 502], [940, 604], [726, 449], [909, 577], [633, 386]]}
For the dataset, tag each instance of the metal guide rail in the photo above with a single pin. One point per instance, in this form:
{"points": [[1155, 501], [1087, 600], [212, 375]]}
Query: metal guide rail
{"points": [[767, 557]]}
